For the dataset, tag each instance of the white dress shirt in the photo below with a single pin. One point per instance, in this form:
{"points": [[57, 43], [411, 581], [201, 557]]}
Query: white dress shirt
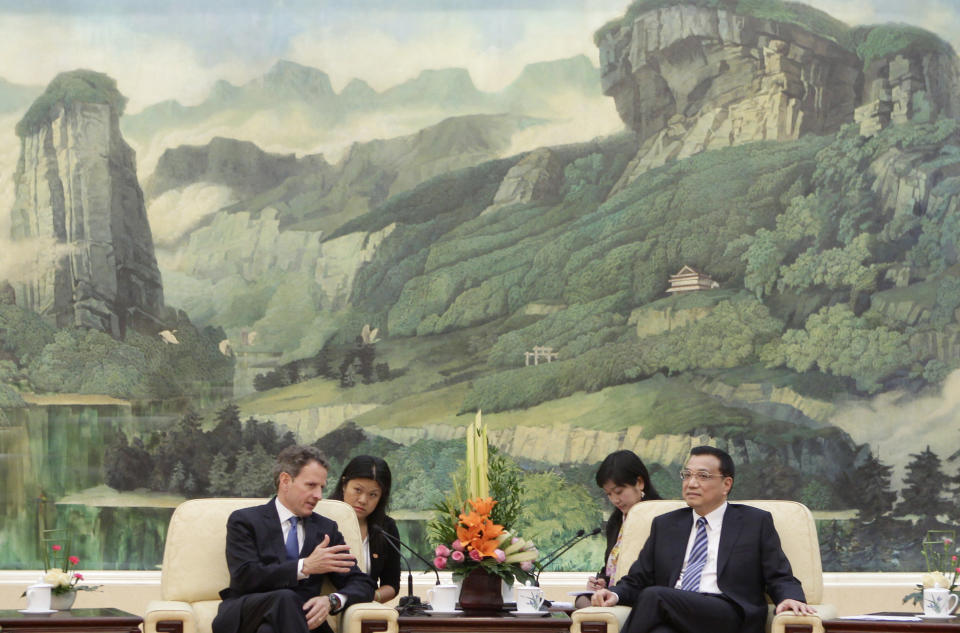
{"points": [[285, 515], [708, 577]]}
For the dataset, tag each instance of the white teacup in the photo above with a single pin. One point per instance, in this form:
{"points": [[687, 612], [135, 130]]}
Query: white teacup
{"points": [[529, 599], [38, 596], [939, 602], [443, 597]]}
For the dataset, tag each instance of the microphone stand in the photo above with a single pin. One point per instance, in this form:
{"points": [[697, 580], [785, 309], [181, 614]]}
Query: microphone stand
{"points": [[395, 541], [563, 549], [409, 604]]}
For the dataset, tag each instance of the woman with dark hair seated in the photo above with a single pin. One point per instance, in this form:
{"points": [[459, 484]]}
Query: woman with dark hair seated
{"points": [[625, 480], [365, 486]]}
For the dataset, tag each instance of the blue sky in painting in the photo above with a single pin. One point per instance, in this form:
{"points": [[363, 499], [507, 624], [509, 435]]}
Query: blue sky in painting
{"points": [[177, 48]]}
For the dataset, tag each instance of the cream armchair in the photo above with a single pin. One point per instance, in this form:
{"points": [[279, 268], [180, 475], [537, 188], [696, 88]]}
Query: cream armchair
{"points": [[195, 569], [798, 536]]}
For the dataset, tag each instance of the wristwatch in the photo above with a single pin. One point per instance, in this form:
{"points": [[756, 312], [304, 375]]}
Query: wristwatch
{"points": [[335, 603]]}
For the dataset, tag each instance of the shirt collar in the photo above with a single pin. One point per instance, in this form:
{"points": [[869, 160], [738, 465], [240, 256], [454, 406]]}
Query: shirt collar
{"points": [[282, 510], [715, 518]]}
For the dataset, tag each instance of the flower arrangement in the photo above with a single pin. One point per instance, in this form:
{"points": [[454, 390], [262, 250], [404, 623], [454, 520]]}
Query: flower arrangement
{"points": [[470, 529], [60, 568], [943, 569], [482, 543]]}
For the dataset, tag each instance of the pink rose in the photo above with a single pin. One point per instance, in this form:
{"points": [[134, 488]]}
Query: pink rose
{"points": [[457, 556], [499, 555], [56, 548], [457, 545], [439, 562], [73, 560], [526, 565], [442, 550], [475, 555]]}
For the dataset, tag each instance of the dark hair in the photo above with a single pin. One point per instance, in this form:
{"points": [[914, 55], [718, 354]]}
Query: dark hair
{"points": [[726, 462], [375, 468], [292, 459], [624, 468]]}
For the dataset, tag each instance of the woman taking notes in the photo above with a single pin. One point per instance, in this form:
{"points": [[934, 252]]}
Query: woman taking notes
{"points": [[626, 482], [365, 486]]}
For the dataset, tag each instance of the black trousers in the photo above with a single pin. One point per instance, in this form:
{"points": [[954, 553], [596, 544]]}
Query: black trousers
{"points": [[669, 610], [279, 611]]}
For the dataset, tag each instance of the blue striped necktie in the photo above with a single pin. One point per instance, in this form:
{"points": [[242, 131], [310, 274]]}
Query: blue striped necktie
{"points": [[292, 545], [697, 559]]}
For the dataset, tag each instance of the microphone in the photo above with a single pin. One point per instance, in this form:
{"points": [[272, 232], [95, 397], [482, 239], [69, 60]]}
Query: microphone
{"points": [[396, 541], [560, 551], [408, 603]]}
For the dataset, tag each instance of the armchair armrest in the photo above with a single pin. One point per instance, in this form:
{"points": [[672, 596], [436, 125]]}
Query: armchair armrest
{"points": [[599, 619], [369, 617], [790, 623], [178, 614]]}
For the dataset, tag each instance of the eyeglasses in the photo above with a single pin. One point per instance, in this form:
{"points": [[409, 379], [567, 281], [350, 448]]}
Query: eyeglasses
{"points": [[701, 475]]}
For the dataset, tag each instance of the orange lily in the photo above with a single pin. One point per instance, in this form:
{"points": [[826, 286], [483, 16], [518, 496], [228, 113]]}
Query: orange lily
{"points": [[483, 505]]}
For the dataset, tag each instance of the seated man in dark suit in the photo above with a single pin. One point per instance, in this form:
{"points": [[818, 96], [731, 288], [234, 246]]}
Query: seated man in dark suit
{"points": [[707, 567], [280, 553]]}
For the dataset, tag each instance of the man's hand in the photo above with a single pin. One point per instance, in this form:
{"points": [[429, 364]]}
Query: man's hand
{"points": [[316, 610], [799, 608], [594, 583], [324, 559], [604, 598]]}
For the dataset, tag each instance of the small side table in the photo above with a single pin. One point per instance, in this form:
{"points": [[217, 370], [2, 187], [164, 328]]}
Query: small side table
{"points": [[87, 620], [877, 626], [498, 623]]}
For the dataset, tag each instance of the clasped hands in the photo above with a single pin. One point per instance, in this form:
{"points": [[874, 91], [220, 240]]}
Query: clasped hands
{"points": [[606, 598]]}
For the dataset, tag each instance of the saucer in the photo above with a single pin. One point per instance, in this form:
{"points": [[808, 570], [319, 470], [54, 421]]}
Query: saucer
{"points": [[529, 614], [937, 617], [454, 612], [40, 612]]}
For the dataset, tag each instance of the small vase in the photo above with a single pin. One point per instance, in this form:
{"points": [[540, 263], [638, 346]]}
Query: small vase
{"points": [[63, 601], [481, 592]]}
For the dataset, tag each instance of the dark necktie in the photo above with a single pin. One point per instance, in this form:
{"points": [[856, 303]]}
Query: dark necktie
{"points": [[292, 545], [697, 560]]}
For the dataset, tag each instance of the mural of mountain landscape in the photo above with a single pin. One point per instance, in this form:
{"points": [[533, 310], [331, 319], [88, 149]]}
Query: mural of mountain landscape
{"points": [[712, 221]]}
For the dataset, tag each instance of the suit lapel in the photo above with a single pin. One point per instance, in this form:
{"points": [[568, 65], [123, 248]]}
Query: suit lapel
{"points": [[729, 534], [677, 549], [271, 520], [311, 538]]}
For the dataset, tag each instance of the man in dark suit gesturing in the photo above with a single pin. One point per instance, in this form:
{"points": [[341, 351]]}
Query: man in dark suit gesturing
{"points": [[707, 567], [280, 553]]}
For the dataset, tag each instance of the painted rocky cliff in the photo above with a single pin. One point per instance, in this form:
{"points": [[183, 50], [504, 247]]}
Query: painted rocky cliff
{"points": [[690, 78], [77, 191]]}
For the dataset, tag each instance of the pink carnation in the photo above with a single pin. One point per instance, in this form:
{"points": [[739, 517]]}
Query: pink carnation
{"points": [[457, 556], [440, 562], [475, 555], [457, 545], [56, 548], [78, 576], [73, 560], [526, 565], [442, 550], [499, 555]]}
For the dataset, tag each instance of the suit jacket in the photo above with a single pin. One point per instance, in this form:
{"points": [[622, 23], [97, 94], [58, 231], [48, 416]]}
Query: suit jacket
{"points": [[750, 561], [385, 559], [258, 563]]}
